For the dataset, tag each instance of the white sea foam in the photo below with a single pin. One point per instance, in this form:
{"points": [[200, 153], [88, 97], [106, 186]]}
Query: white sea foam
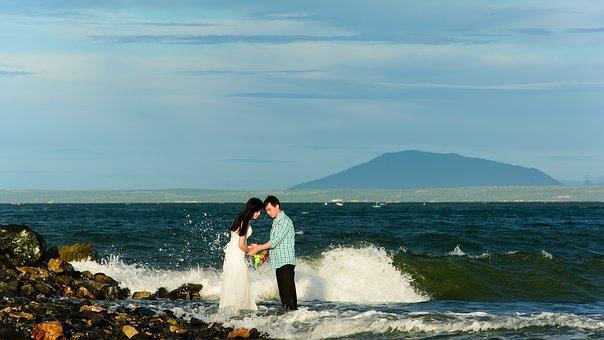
{"points": [[364, 275], [457, 251], [142, 278], [316, 324], [546, 255]]}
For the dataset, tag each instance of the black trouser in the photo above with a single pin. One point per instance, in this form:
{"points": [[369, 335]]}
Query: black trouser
{"points": [[287, 286]]}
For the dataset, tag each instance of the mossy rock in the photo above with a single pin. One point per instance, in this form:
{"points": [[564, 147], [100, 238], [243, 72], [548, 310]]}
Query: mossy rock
{"points": [[21, 246]]}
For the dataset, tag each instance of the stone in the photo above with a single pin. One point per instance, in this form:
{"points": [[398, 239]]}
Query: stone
{"points": [[143, 311], [48, 331], [59, 266], [129, 331], [64, 280], [111, 293], [177, 329], [196, 323], [92, 308], [44, 288], [19, 315], [77, 252], [43, 273], [87, 275], [254, 333], [28, 272], [54, 265], [93, 286], [141, 295], [162, 293], [36, 308], [171, 320], [104, 279], [122, 317], [239, 333], [21, 246], [216, 330], [189, 291], [68, 292], [27, 290], [84, 293], [9, 332], [124, 293], [9, 283]]}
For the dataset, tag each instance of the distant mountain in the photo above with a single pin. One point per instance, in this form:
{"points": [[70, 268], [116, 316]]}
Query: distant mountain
{"points": [[417, 169]]}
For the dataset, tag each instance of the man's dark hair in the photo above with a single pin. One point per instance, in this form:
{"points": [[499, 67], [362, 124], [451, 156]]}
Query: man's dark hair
{"points": [[274, 201]]}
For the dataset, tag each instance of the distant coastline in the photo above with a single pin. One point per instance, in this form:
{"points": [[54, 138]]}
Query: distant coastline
{"points": [[581, 193]]}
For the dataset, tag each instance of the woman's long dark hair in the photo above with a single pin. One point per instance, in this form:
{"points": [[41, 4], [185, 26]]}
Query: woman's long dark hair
{"points": [[242, 220]]}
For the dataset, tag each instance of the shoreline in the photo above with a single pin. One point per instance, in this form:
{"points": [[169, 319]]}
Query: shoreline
{"points": [[583, 193], [43, 297]]}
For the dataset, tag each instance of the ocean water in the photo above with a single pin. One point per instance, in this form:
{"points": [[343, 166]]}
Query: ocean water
{"points": [[406, 270]]}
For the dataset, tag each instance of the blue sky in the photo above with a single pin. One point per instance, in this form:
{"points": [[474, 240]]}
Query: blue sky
{"points": [[265, 95]]}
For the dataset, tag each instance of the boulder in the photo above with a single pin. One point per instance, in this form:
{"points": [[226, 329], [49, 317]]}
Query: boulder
{"points": [[9, 283], [102, 278], [64, 280], [20, 246], [92, 308], [21, 315], [162, 293], [189, 291], [45, 288], [84, 293], [59, 266], [129, 331], [143, 311], [113, 292], [141, 295], [177, 329], [28, 272], [48, 331], [68, 292], [27, 290], [86, 274], [239, 333], [77, 252]]}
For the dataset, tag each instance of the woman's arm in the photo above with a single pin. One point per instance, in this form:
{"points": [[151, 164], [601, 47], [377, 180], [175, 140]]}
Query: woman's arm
{"points": [[243, 244]]}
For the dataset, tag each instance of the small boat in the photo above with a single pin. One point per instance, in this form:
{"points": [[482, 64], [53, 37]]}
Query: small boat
{"points": [[376, 205], [339, 204]]}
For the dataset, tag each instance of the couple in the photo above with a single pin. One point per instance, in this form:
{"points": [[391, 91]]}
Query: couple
{"points": [[235, 288]]}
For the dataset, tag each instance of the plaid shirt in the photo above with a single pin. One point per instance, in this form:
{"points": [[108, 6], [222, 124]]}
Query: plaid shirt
{"points": [[282, 242]]}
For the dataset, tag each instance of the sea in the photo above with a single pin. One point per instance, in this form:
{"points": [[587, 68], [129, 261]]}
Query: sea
{"points": [[365, 270]]}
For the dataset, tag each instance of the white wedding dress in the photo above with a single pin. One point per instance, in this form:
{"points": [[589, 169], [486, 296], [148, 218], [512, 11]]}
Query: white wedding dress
{"points": [[235, 292]]}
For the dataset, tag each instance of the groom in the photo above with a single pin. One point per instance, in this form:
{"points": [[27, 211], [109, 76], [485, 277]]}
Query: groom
{"points": [[282, 255]]}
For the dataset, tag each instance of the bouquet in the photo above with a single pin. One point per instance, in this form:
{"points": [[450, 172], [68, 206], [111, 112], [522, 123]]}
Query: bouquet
{"points": [[259, 258]]}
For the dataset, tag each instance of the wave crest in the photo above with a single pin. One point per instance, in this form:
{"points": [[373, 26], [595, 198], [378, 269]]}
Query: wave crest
{"points": [[354, 275]]}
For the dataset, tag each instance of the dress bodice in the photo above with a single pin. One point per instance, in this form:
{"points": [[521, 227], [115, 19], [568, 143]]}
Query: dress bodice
{"points": [[235, 234]]}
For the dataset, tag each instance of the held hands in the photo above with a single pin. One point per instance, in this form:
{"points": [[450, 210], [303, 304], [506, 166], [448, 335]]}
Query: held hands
{"points": [[253, 249]]}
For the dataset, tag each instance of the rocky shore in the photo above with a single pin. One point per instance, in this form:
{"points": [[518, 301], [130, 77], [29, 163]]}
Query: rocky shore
{"points": [[43, 297]]}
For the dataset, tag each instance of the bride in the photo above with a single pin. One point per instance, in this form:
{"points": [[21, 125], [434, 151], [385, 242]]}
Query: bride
{"points": [[235, 291]]}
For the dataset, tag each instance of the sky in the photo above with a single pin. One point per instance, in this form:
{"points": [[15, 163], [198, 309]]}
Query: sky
{"points": [[250, 95]]}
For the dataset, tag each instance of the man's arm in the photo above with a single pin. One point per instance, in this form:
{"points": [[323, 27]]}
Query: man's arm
{"points": [[276, 238], [254, 248]]}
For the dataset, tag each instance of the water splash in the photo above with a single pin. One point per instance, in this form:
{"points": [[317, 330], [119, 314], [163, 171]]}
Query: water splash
{"points": [[354, 275]]}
